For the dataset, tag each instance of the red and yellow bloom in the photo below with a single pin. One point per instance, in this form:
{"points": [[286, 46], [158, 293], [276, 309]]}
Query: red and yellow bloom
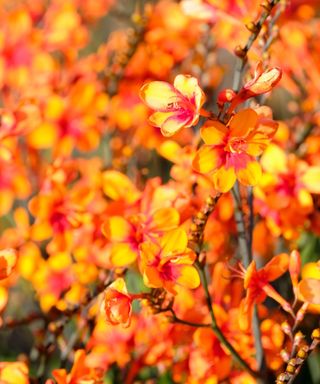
{"points": [[176, 106], [117, 304], [230, 150], [168, 262], [257, 282]]}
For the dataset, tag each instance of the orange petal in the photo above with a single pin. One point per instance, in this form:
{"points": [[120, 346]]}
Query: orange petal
{"points": [[151, 277], [214, 134], [207, 159], [277, 266], [309, 290], [243, 122], [159, 95], [264, 82], [8, 260]]}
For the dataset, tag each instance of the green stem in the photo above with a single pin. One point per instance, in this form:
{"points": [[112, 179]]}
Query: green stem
{"points": [[214, 326]]}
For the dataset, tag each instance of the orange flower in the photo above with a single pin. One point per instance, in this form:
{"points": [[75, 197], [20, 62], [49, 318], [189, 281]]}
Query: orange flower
{"points": [[176, 106], [229, 151], [257, 282], [262, 82], [169, 262], [309, 286], [8, 260], [127, 233], [80, 372], [14, 373], [117, 303]]}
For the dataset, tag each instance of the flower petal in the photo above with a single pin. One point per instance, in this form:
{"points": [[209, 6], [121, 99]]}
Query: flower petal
{"points": [[277, 266], [243, 123], [116, 228], [164, 219], [189, 87], [309, 290], [122, 254], [159, 95], [8, 260], [224, 179], [188, 276], [207, 159], [177, 121], [174, 241], [251, 174], [311, 179], [214, 134]]}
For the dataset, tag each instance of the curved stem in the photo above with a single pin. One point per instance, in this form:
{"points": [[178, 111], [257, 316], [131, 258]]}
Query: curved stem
{"points": [[214, 326]]}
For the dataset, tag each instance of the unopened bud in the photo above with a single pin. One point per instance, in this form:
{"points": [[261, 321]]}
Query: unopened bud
{"points": [[316, 334], [226, 96], [298, 337], [284, 355], [266, 5], [303, 352], [252, 27], [285, 326], [240, 52]]}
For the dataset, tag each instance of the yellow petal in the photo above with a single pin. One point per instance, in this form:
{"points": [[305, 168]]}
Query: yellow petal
{"points": [[158, 118], [176, 122], [164, 219], [41, 231], [159, 95], [309, 290], [214, 134], [116, 229], [118, 186], [8, 260], [189, 87], [3, 298], [274, 159], [243, 122], [251, 174], [119, 285], [188, 277], [122, 254], [305, 198], [311, 179], [224, 179], [44, 136], [174, 241], [170, 150], [207, 159]]}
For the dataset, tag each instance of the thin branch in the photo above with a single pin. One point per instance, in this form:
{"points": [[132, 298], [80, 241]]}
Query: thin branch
{"points": [[176, 319], [214, 326], [245, 246]]}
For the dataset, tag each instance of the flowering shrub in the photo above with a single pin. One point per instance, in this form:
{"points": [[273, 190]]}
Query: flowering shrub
{"points": [[159, 191]]}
